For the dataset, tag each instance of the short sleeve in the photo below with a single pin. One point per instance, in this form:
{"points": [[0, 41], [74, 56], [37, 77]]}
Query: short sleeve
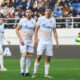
{"points": [[39, 21], [54, 23], [35, 22], [20, 22]]}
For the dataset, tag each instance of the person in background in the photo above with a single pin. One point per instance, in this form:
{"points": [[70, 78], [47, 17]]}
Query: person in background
{"points": [[78, 39], [1, 43], [77, 20]]}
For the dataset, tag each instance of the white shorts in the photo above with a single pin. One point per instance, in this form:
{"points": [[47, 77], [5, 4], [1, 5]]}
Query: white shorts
{"points": [[1, 49], [48, 48], [27, 48]]}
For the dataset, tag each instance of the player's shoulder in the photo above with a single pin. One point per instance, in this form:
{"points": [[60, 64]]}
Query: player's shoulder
{"points": [[2, 25], [52, 18], [41, 17], [33, 19], [22, 19]]}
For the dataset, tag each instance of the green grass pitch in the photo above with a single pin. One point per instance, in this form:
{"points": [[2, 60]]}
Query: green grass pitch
{"points": [[61, 69]]}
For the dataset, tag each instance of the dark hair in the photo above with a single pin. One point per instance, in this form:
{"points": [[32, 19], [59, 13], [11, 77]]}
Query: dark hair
{"points": [[28, 9], [49, 7]]}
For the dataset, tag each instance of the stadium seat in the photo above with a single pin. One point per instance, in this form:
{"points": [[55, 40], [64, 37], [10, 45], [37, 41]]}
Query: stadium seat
{"points": [[78, 11], [76, 6]]}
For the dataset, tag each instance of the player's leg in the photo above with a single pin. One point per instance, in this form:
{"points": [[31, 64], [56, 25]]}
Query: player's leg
{"points": [[28, 59], [22, 60], [40, 50], [1, 60], [49, 53], [36, 64], [47, 66], [28, 64]]}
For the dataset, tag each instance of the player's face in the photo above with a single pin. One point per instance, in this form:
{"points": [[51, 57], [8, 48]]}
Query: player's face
{"points": [[48, 12], [29, 13]]}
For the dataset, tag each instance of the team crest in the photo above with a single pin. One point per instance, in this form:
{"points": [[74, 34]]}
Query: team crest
{"points": [[32, 23], [51, 22]]}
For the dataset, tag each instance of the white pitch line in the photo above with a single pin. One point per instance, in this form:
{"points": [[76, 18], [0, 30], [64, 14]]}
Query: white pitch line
{"points": [[14, 70], [69, 79]]}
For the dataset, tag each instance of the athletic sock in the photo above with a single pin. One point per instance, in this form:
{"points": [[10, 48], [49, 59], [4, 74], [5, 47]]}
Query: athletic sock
{"points": [[47, 66], [36, 67], [28, 64], [22, 62], [1, 61]]}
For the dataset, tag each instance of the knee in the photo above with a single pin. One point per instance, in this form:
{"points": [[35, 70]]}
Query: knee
{"points": [[29, 55], [23, 54], [47, 60], [38, 59]]}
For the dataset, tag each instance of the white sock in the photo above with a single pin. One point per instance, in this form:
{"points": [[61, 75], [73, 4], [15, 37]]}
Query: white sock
{"points": [[47, 66], [28, 64], [22, 62], [1, 61], [36, 67]]}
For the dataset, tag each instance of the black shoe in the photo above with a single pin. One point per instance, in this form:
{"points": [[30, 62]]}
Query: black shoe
{"points": [[27, 74], [22, 74]]}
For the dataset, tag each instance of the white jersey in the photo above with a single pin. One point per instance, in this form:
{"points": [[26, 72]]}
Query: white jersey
{"points": [[46, 28], [27, 29], [1, 33]]}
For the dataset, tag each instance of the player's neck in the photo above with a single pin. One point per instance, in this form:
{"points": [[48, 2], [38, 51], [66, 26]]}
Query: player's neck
{"points": [[47, 16], [28, 18]]}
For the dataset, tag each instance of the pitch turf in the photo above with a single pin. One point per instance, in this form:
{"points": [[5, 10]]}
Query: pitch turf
{"points": [[61, 69]]}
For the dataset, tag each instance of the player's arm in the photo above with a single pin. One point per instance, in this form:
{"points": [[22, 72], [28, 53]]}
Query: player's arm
{"points": [[7, 40], [55, 36], [4, 36], [36, 35], [18, 34]]}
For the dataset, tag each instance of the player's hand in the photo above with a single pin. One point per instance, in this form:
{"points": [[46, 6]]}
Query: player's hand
{"points": [[21, 42], [9, 42], [57, 46], [36, 42]]}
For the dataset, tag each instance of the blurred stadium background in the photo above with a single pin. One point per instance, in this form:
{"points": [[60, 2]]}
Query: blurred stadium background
{"points": [[66, 60]]}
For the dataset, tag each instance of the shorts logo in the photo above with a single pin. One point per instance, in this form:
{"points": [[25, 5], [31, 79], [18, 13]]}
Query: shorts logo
{"points": [[22, 50], [38, 51]]}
